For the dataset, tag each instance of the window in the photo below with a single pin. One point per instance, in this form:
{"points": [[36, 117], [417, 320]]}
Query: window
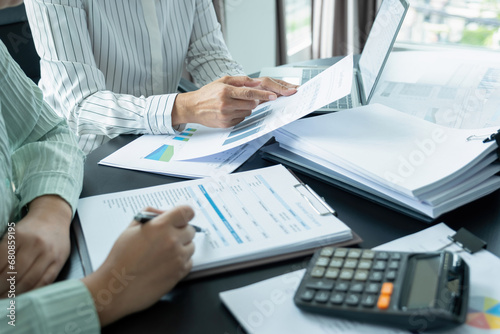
{"points": [[473, 23], [298, 29]]}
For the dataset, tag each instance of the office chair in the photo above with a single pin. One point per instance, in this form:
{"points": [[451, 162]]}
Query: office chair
{"points": [[15, 33]]}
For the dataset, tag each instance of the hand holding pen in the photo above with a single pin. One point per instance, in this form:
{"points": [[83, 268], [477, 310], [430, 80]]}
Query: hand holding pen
{"points": [[145, 216]]}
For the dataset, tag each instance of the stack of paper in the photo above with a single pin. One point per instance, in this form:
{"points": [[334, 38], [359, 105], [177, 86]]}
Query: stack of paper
{"points": [[407, 163]]}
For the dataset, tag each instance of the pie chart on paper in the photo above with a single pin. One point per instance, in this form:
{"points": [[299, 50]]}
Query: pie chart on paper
{"points": [[484, 313]]}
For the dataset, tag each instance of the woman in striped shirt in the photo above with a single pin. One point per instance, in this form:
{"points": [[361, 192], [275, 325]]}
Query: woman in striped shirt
{"points": [[112, 67]]}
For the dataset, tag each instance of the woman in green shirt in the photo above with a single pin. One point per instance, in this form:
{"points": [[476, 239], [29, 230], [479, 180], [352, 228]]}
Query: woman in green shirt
{"points": [[41, 172]]}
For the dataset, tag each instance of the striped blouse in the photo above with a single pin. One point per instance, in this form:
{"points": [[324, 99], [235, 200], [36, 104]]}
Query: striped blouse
{"points": [[112, 67]]}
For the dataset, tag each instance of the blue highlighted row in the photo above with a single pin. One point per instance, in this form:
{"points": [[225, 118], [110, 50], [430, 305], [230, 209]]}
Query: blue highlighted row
{"points": [[221, 216]]}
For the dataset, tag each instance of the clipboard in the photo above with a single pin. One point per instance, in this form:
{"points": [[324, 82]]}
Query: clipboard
{"points": [[317, 203]]}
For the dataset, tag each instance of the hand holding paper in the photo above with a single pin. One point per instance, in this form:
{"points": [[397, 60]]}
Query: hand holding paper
{"points": [[331, 85]]}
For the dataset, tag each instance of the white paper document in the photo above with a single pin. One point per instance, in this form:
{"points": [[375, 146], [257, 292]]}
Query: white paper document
{"points": [[328, 86], [268, 307], [249, 215], [458, 89], [420, 165], [156, 154], [404, 153]]}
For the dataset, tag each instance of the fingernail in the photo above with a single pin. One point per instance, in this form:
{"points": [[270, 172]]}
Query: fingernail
{"points": [[272, 97]]}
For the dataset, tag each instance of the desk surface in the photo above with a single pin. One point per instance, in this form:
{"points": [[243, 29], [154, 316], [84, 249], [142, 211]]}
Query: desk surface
{"points": [[194, 306]]}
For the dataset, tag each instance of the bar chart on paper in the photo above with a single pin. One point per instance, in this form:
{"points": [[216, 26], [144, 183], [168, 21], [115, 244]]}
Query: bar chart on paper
{"points": [[185, 135], [249, 126], [156, 154]]}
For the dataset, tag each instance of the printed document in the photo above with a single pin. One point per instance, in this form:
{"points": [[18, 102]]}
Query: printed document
{"points": [[328, 86], [268, 307], [453, 89], [156, 154], [249, 215]]}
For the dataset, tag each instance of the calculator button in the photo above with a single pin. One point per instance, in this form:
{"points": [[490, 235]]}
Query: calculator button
{"points": [[368, 254], [380, 265], [361, 275], [395, 256], [322, 296], [354, 253], [364, 264], [332, 273], [382, 256], [350, 263], [376, 276], [307, 295], [337, 298], [391, 275], [383, 302], [357, 287], [320, 285], [336, 262], [352, 299], [346, 274], [393, 264], [326, 251], [322, 261], [387, 288], [317, 272], [340, 252], [372, 288], [368, 300], [342, 286]]}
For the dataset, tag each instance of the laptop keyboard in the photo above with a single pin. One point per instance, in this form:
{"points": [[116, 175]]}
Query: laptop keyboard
{"points": [[343, 103]]}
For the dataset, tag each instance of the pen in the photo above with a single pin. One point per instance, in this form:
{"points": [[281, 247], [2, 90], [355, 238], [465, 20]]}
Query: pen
{"points": [[145, 216]]}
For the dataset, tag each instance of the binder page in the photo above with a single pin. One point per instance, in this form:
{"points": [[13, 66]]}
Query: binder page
{"points": [[248, 215], [406, 154], [330, 85]]}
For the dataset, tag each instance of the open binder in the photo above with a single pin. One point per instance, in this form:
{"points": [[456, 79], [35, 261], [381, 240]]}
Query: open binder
{"points": [[407, 164], [301, 220]]}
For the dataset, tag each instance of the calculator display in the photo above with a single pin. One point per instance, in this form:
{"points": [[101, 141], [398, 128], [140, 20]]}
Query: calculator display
{"points": [[424, 283]]}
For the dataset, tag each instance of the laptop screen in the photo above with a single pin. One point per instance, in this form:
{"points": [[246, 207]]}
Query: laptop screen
{"points": [[379, 43]]}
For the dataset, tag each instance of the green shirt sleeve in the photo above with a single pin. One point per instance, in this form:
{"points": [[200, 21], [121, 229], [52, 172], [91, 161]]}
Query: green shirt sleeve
{"points": [[64, 307], [44, 152]]}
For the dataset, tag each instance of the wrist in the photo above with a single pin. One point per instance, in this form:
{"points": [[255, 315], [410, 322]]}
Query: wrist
{"points": [[51, 208], [181, 109], [107, 303]]}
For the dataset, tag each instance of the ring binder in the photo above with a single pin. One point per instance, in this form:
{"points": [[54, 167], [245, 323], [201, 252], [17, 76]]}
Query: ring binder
{"points": [[486, 139], [465, 240]]}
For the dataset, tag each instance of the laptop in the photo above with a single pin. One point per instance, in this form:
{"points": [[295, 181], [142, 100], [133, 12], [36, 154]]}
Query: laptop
{"points": [[372, 60]]}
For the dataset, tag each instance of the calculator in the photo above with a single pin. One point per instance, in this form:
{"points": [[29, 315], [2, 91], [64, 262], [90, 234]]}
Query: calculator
{"points": [[415, 291]]}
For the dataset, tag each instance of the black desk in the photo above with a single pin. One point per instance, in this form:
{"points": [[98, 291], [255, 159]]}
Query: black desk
{"points": [[194, 306]]}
